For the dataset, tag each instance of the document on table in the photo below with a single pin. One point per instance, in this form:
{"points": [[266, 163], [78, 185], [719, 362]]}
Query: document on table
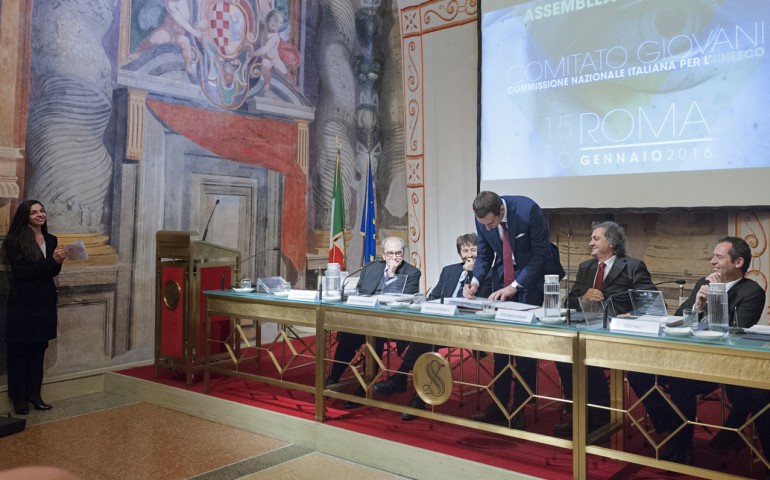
{"points": [[77, 250], [475, 304]]}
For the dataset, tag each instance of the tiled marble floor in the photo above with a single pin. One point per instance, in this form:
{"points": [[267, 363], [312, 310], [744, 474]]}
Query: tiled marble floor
{"points": [[101, 436]]}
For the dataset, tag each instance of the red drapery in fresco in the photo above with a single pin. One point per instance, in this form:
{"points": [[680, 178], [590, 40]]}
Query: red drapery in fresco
{"points": [[270, 144]]}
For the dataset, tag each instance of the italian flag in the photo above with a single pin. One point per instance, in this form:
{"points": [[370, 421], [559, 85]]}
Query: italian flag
{"points": [[337, 230]]}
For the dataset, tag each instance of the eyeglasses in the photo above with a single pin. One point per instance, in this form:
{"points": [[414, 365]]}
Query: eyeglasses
{"points": [[393, 254]]}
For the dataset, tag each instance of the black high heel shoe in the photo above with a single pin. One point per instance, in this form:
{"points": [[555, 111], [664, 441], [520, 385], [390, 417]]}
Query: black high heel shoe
{"points": [[38, 403]]}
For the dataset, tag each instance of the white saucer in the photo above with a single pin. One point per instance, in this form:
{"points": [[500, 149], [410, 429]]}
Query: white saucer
{"points": [[415, 306], [553, 320], [243, 290], [708, 334], [678, 331], [486, 314], [282, 294], [396, 305]]}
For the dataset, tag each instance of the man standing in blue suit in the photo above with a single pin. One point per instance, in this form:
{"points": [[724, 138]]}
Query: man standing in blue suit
{"points": [[514, 248]]}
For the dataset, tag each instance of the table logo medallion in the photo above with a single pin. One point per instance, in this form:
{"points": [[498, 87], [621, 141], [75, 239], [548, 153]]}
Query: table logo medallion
{"points": [[432, 378]]}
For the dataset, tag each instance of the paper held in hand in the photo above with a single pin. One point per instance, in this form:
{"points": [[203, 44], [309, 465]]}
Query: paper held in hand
{"points": [[77, 251]]}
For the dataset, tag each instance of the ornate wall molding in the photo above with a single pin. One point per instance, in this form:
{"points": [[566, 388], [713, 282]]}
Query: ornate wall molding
{"points": [[416, 21], [303, 145], [135, 124], [436, 15]]}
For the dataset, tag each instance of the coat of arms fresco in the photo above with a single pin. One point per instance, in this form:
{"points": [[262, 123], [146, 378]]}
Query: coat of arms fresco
{"points": [[230, 49]]}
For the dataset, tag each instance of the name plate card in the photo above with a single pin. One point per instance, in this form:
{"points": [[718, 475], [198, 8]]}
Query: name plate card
{"points": [[303, 295], [439, 309], [635, 325], [362, 301], [515, 316]]}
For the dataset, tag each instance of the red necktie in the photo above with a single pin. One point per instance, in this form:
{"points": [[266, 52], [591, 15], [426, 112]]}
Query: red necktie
{"points": [[508, 271], [599, 276]]}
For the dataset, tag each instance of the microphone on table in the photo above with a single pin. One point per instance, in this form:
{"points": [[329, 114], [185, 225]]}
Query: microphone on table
{"points": [[678, 281], [206, 230], [319, 271], [429, 291], [345, 282], [605, 320], [468, 279], [228, 269], [463, 281]]}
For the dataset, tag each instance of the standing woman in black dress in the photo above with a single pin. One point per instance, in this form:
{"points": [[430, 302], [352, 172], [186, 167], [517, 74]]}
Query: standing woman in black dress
{"points": [[35, 259]]}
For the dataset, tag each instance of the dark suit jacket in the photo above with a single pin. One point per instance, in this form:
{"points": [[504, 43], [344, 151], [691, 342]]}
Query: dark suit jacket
{"points": [[370, 277], [745, 298], [626, 273], [528, 234], [447, 282], [32, 297]]}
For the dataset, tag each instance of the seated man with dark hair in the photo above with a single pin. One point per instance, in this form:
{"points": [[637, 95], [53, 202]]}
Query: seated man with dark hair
{"points": [[373, 280], [450, 284], [609, 272], [746, 299]]}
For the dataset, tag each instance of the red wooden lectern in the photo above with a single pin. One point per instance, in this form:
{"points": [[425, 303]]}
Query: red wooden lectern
{"points": [[184, 268]]}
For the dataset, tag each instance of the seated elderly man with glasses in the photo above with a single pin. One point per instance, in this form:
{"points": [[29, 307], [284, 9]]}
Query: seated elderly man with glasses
{"points": [[374, 278]]}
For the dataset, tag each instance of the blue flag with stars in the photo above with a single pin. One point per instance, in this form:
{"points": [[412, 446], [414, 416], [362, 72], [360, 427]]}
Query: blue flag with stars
{"points": [[368, 229]]}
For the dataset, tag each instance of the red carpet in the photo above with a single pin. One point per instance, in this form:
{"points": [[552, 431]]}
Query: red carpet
{"points": [[487, 448]]}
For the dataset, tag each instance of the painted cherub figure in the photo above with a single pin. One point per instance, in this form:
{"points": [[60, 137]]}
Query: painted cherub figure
{"points": [[173, 29], [269, 51]]}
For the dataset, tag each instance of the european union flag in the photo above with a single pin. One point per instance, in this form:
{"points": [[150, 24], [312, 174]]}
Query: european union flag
{"points": [[368, 229]]}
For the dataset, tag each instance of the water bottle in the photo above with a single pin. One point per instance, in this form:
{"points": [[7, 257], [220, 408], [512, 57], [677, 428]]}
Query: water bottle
{"points": [[718, 315], [551, 298], [332, 280]]}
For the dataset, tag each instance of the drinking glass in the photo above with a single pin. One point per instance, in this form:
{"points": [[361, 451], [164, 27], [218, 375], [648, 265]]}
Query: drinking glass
{"points": [[690, 318]]}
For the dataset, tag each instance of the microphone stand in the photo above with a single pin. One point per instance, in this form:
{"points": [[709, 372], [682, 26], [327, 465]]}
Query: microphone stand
{"points": [[320, 284], [206, 230], [345, 282], [679, 281], [228, 269], [605, 319], [429, 291]]}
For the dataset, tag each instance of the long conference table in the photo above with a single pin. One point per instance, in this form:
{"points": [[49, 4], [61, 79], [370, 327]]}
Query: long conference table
{"points": [[731, 360]]}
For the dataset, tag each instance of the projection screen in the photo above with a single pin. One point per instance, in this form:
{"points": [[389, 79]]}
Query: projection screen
{"points": [[626, 103]]}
